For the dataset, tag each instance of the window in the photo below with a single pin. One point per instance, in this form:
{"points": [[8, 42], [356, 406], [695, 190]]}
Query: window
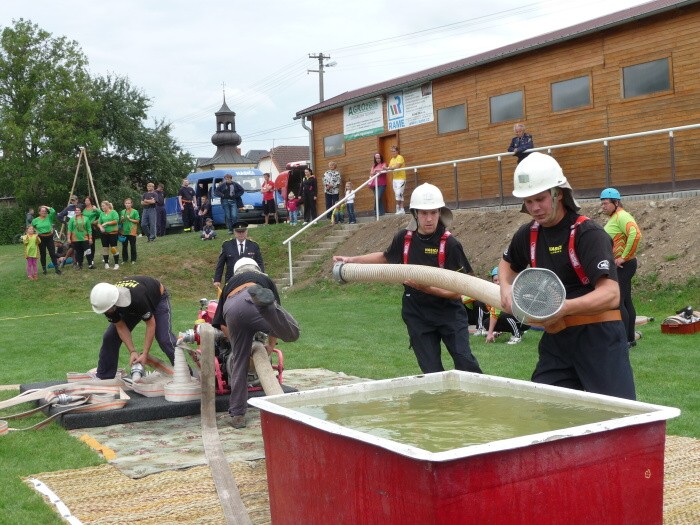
{"points": [[506, 107], [453, 118], [572, 93], [643, 79], [334, 145]]}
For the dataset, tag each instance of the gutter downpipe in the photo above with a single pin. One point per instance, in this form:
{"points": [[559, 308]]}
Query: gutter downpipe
{"points": [[312, 163]]}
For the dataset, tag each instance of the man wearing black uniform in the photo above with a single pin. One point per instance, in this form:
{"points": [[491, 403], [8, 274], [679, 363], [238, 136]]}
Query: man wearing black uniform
{"points": [[125, 304], [187, 196], [234, 249], [249, 304], [431, 314], [584, 345]]}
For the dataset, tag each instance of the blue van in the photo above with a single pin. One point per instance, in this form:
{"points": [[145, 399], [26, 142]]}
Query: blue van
{"points": [[205, 183]]}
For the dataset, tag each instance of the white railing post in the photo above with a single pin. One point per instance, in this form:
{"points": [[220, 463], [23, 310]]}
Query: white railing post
{"points": [[291, 272]]}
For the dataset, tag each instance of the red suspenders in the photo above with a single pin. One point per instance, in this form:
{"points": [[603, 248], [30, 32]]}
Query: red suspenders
{"points": [[441, 252], [534, 231]]}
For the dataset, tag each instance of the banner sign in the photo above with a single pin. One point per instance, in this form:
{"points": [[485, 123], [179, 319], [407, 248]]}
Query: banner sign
{"points": [[410, 107], [363, 119]]}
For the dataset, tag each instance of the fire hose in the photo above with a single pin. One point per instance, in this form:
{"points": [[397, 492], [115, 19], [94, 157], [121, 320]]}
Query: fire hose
{"points": [[537, 293]]}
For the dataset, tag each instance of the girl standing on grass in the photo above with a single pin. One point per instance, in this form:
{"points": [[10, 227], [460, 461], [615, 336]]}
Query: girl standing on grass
{"points": [[129, 220], [293, 208], [108, 224], [31, 252], [92, 215], [43, 224], [79, 235]]}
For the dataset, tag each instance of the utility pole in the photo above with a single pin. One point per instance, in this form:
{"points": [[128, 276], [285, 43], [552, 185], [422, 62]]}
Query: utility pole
{"points": [[320, 57]]}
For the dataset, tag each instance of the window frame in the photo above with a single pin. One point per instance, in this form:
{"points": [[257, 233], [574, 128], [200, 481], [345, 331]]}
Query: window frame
{"points": [[647, 60], [519, 118], [568, 78], [325, 146], [466, 118]]}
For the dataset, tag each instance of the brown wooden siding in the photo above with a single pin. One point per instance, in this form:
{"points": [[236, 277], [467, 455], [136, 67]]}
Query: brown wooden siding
{"points": [[641, 164]]}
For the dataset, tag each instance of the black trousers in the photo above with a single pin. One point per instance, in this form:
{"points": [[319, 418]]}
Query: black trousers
{"points": [[47, 245], [129, 242]]}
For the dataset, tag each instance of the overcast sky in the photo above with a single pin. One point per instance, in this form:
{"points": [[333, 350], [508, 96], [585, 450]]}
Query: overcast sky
{"points": [[181, 53]]}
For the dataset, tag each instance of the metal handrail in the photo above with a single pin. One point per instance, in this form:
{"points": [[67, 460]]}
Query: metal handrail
{"points": [[498, 156]]}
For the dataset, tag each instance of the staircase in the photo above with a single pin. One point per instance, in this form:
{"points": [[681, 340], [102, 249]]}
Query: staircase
{"points": [[310, 257]]}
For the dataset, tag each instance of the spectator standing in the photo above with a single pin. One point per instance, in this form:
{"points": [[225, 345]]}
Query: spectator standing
{"points": [[208, 232], [231, 194], [235, 249], [161, 214], [521, 142], [92, 215], [625, 234], [68, 212], [149, 219], [204, 212], [186, 196], [125, 304], [431, 314], [331, 184], [79, 235], [129, 221], [293, 208], [249, 304], [584, 345], [43, 225], [108, 223], [29, 217], [31, 252], [309, 190], [350, 202], [268, 197], [502, 321], [378, 184], [399, 178]]}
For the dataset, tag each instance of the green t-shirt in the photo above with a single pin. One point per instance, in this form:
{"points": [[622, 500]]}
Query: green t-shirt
{"points": [[44, 225], [92, 215], [80, 228], [129, 227], [109, 217]]}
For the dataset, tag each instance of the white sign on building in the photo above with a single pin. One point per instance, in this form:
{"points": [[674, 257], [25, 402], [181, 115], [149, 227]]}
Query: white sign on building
{"points": [[363, 119], [410, 107]]}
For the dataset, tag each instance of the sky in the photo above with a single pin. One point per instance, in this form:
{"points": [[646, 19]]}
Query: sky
{"points": [[184, 55]]}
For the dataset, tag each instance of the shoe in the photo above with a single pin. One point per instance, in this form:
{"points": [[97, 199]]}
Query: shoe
{"points": [[187, 230], [116, 266], [237, 421], [480, 332], [261, 296], [58, 272], [106, 266], [133, 262], [630, 344], [91, 266], [44, 271], [514, 340]]}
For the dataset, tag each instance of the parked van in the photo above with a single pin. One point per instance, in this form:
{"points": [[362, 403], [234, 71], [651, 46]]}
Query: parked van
{"points": [[205, 183]]}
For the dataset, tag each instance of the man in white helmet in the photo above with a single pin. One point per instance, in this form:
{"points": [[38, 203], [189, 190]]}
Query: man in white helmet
{"points": [[584, 346], [125, 304], [431, 314], [249, 304]]}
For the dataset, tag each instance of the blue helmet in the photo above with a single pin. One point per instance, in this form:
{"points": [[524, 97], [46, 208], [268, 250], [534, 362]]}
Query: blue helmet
{"points": [[494, 272], [610, 193]]}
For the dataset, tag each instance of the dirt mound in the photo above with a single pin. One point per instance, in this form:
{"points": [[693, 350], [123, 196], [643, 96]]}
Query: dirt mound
{"points": [[669, 249]]}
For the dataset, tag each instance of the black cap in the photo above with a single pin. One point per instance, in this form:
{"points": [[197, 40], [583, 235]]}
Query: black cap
{"points": [[240, 225]]}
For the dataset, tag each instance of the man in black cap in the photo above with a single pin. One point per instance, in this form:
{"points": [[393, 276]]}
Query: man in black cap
{"points": [[234, 249]]}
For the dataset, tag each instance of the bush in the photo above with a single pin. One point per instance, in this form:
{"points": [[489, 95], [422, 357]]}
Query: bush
{"points": [[11, 223]]}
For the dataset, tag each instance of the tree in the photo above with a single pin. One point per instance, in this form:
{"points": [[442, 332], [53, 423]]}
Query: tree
{"points": [[50, 106]]}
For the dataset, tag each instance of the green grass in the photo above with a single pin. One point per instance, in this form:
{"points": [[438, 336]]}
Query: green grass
{"points": [[47, 329]]}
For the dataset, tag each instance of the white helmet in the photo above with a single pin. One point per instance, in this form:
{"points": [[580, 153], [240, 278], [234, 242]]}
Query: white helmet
{"points": [[245, 264], [429, 197], [539, 172], [104, 296]]}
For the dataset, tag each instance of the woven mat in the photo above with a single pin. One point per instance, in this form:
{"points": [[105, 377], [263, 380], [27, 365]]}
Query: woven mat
{"points": [[104, 496], [682, 481]]}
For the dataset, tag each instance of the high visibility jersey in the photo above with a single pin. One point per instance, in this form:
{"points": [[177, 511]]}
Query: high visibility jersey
{"points": [[625, 233]]}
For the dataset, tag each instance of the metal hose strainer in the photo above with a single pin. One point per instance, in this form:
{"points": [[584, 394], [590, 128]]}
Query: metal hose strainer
{"points": [[538, 294]]}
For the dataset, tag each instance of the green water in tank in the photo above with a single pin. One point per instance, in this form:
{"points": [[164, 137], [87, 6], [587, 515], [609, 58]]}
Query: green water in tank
{"points": [[438, 421]]}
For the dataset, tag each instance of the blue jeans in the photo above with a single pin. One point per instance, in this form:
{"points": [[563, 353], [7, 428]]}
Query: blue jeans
{"points": [[293, 216], [351, 212], [149, 222], [380, 190], [230, 213]]}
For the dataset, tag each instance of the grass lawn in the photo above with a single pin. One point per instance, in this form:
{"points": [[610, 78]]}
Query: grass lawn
{"points": [[47, 329]]}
